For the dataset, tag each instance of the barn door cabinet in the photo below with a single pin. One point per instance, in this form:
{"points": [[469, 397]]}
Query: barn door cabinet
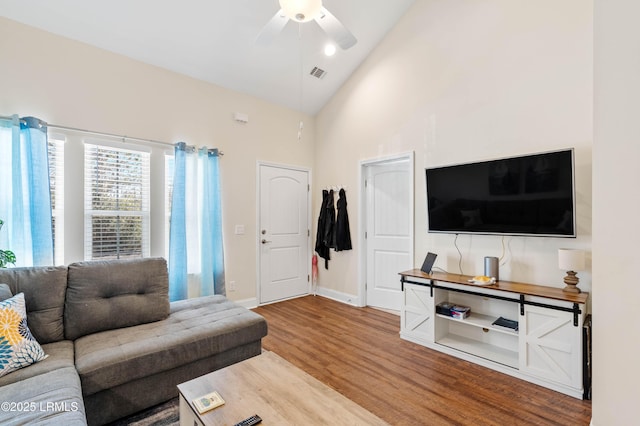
{"points": [[546, 349]]}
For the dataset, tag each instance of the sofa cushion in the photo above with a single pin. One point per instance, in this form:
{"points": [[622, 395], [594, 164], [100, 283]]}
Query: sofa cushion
{"points": [[44, 290], [106, 295], [5, 292], [196, 329], [59, 355], [53, 398], [18, 348]]}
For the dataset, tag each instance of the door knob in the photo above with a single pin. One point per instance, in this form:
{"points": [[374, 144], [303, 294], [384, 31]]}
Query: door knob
{"points": [[265, 241]]}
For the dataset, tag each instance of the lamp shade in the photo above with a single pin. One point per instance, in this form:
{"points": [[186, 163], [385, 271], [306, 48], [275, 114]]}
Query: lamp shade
{"points": [[571, 259], [301, 10]]}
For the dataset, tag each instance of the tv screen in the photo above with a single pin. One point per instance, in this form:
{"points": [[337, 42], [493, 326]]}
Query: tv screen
{"points": [[526, 195]]}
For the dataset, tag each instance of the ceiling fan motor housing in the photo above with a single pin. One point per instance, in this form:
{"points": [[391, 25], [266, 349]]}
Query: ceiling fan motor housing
{"points": [[301, 10]]}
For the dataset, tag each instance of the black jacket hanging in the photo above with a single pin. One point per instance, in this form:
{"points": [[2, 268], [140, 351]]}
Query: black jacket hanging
{"points": [[343, 234], [329, 235], [321, 247]]}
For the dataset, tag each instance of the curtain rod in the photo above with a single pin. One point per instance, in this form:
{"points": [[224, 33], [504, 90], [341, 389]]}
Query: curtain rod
{"points": [[112, 135]]}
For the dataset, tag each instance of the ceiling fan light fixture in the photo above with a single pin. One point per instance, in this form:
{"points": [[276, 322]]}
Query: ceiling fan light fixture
{"points": [[330, 49], [301, 10]]}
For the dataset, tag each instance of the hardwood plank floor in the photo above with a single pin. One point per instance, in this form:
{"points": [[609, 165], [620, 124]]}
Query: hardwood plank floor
{"points": [[358, 352]]}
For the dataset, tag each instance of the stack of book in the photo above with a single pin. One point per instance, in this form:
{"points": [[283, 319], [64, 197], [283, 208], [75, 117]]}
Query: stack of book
{"points": [[453, 310], [506, 323]]}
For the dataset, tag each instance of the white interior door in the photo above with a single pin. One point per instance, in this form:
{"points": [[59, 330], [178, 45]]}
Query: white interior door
{"points": [[389, 230], [283, 238]]}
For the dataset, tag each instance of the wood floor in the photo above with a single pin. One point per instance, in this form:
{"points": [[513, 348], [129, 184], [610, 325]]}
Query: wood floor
{"points": [[358, 352]]}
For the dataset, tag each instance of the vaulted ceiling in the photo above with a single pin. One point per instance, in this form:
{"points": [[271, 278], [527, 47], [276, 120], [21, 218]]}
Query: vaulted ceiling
{"points": [[214, 40]]}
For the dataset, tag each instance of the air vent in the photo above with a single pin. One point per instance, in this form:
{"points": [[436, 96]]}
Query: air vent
{"points": [[318, 72]]}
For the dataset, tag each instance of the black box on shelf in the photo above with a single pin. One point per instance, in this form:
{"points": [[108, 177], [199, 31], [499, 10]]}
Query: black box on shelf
{"points": [[444, 308]]}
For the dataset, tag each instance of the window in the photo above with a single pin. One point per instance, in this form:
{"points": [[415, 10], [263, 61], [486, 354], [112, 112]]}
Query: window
{"points": [[56, 186], [116, 202]]}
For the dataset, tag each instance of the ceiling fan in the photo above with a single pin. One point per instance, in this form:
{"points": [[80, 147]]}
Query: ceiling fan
{"points": [[305, 11]]}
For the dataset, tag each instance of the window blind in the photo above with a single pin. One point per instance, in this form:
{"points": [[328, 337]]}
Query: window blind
{"points": [[116, 202]]}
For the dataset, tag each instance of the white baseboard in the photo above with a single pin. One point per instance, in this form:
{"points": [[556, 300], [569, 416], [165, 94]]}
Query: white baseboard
{"points": [[338, 296], [348, 299], [248, 303]]}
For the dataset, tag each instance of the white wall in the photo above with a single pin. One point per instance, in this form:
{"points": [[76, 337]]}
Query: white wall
{"points": [[68, 83], [459, 81], [616, 150]]}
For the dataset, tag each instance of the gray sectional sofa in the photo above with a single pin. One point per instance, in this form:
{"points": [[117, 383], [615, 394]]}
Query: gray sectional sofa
{"points": [[115, 343]]}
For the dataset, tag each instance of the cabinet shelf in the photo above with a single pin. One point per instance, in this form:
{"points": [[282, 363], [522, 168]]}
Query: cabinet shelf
{"points": [[482, 350], [481, 321]]}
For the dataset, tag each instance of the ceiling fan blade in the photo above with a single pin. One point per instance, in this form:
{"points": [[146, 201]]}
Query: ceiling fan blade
{"points": [[272, 29], [334, 29]]}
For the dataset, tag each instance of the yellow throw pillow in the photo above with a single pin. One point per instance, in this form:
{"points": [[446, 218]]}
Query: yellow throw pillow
{"points": [[18, 348]]}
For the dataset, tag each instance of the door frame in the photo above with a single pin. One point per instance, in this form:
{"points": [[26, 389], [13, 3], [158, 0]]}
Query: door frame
{"points": [[362, 217], [259, 164]]}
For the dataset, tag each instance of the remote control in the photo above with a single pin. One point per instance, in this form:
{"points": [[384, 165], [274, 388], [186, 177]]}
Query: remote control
{"points": [[253, 420]]}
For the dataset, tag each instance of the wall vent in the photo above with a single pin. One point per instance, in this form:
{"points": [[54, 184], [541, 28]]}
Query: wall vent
{"points": [[318, 72]]}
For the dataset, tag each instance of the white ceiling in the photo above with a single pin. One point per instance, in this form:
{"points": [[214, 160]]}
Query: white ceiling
{"points": [[213, 40]]}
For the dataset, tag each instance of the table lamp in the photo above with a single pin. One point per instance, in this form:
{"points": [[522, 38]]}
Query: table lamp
{"points": [[571, 260]]}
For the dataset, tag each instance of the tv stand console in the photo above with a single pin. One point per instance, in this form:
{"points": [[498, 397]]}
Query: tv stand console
{"points": [[546, 349]]}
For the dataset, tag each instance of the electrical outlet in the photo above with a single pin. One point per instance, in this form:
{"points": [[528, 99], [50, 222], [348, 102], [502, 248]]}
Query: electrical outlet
{"points": [[232, 286]]}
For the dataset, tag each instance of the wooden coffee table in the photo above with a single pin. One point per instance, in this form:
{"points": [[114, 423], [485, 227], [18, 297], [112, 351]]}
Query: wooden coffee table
{"points": [[274, 389]]}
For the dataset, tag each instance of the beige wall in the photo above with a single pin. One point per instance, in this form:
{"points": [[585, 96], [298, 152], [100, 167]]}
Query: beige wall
{"points": [[454, 81], [458, 81], [616, 150], [68, 83]]}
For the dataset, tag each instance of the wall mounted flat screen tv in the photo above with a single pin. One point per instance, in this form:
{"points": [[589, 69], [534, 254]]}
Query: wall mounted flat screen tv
{"points": [[530, 195]]}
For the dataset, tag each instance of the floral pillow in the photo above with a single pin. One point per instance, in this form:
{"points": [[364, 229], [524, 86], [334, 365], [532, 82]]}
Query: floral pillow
{"points": [[18, 348]]}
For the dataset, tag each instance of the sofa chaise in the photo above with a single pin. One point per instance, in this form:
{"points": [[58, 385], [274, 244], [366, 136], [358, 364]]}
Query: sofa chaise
{"points": [[114, 344]]}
